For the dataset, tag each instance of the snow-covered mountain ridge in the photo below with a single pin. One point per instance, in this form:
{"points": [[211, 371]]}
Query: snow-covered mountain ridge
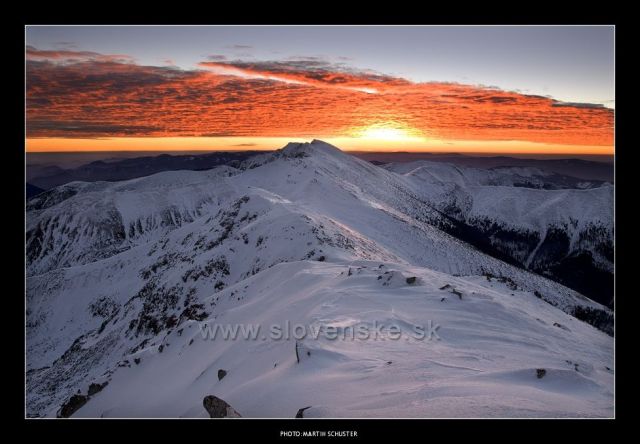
{"points": [[563, 233], [125, 271]]}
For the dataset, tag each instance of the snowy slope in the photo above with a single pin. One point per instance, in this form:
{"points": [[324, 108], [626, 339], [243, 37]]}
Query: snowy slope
{"points": [[494, 193], [80, 222], [542, 221], [491, 343], [518, 176], [116, 267]]}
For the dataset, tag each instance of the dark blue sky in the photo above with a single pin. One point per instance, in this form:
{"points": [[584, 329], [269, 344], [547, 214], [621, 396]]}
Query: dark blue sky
{"points": [[569, 63]]}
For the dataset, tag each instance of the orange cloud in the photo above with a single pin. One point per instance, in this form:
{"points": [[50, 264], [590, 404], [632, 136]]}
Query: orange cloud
{"points": [[95, 97], [309, 71]]}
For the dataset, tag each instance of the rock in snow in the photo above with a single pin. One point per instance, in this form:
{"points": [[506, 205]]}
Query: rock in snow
{"points": [[72, 405], [217, 408], [300, 413]]}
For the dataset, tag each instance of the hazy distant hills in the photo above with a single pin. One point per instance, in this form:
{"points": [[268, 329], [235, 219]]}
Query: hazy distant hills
{"points": [[50, 170], [600, 169], [47, 176]]}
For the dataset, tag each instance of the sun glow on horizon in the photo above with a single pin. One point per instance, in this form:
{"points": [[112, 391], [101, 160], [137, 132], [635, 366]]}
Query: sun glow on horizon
{"points": [[389, 133], [391, 141]]}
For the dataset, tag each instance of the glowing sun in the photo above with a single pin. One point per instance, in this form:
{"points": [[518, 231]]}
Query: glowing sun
{"points": [[388, 133]]}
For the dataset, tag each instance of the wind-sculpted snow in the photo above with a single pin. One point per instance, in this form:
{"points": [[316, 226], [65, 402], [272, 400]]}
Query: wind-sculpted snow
{"points": [[482, 361], [122, 274]]}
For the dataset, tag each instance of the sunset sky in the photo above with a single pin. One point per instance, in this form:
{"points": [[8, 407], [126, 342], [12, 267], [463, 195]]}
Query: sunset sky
{"points": [[462, 89]]}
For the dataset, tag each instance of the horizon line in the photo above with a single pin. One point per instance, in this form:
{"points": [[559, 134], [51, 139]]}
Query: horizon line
{"points": [[435, 153]]}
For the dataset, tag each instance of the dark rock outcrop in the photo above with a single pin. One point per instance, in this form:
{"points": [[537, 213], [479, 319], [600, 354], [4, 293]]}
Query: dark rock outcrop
{"points": [[72, 405], [300, 413], [95, 388], [218, 408]]}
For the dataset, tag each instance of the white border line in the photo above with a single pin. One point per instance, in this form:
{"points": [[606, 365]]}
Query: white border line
{"points": [[341, 25]]}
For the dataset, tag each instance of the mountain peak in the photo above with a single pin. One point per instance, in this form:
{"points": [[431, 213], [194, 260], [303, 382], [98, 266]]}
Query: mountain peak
{"points": [[303, 149]]}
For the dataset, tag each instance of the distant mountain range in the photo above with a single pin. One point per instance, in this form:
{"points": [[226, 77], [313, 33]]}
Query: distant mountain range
{"points": [[602, 170], [48, 171], [47, 176]]}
